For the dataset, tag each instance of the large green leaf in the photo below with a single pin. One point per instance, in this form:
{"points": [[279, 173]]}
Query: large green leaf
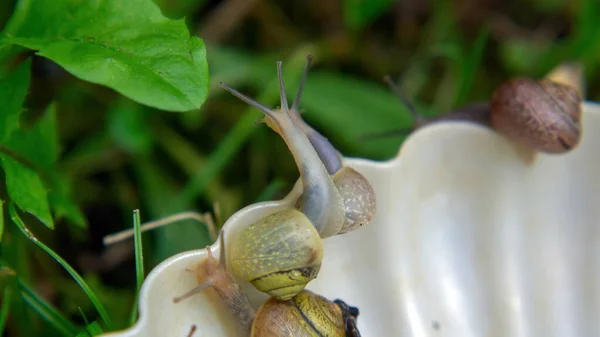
{"points": [[13, 89], [351, 109], [126, 45]]}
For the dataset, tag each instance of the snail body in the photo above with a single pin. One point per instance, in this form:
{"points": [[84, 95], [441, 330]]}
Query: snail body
{"points": [[336, 199], [305, 314], [544, 115], [322, 203], [357, 193]]}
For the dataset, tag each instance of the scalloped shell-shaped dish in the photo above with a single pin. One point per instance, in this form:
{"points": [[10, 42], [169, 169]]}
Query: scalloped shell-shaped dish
{"points": [[469, 240]]}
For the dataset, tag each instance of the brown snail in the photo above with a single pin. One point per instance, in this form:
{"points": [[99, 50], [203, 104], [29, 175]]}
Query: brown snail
{"points": [[543, 115], [305, 314]]}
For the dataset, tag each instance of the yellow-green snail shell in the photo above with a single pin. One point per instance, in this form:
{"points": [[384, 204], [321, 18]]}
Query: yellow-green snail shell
{"points": [[279, 254]]}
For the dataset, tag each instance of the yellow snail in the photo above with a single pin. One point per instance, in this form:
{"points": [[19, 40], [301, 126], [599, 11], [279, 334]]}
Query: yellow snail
{"points": [[279, 254], [282, 252], [543, 115], [305, 314], [335, 199]]}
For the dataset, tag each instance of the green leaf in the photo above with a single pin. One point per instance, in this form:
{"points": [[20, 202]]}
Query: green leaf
{"points": [[46, 311], [39, 144], [522, 55], [26, 190], [61, 201], [352, 109], [359, 13], [128, 126], [128, 46], [13, 89], [84, 286]]}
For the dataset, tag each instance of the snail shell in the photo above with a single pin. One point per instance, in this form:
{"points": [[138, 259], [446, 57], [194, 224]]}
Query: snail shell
{"points": [[305, 315], [544, 115], [279, 254], [359, 198]]}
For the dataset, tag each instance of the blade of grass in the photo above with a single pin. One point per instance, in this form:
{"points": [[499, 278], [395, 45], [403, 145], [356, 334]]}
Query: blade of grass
{"points": [[268, 193], [158, 190], [46, 311], [1, 222], [94, 329], [187, 157], [85, 320], [469, 66], [139, 253], [88, 291], [139, 261], [240, 132], [5, 309]]}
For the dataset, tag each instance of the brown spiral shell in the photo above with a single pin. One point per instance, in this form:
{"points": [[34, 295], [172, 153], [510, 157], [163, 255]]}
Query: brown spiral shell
{"points": [[542, 114]]}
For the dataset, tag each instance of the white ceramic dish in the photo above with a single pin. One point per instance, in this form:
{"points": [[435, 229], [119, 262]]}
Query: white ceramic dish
{"points": [[469, 241]]}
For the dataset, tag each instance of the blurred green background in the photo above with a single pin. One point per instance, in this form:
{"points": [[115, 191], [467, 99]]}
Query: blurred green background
{"points": [[118, 155]]}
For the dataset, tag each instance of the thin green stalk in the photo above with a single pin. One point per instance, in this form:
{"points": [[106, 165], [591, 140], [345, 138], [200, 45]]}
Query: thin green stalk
{"points": [[139, 261], [47, 312], [469, 66], [84, 286], [139, 253], [1, 223], [5, 309]]}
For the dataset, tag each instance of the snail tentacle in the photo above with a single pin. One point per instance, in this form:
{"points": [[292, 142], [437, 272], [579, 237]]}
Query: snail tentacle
{"points": [[321, 202]]}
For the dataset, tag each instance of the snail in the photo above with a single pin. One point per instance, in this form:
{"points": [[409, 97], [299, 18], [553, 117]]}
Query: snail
{"points": [[357, 192], [305, 314], [336, 199], [279, 254], [544, 115]]}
